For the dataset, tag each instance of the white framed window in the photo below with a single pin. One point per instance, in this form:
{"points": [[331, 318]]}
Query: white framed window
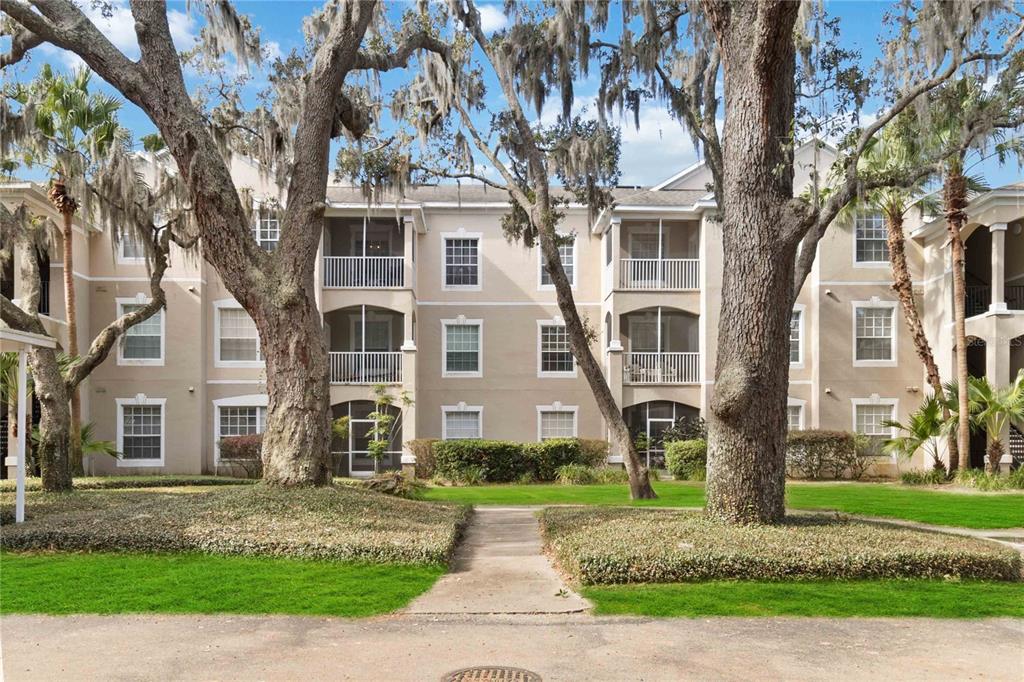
{"points": [[871, 245], [236, 340], [567, 252], [462, 348], [141, 426], [796, 337], [130, 251], [554, 357], [461, 261], [795, 414], [556, 421], [143, 344], [870, 416], [267, 232], [874, 333], [238, 416], [459, 422]]}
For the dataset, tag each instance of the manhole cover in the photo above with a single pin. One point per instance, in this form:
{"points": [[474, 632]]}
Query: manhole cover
{"points": [[492, 673]]}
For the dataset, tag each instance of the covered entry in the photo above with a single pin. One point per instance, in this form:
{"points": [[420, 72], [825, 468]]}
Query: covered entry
{"points": [[649, 421], [351, 457]]}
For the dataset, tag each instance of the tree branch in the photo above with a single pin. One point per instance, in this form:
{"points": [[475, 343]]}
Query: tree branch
{"points": [[385, 61], [22, 40]]}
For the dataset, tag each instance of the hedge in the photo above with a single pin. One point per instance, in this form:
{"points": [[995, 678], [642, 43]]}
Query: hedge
{"points": [[687, 460], [501, 461], [423, 449], [609, 546], [819, 453]]}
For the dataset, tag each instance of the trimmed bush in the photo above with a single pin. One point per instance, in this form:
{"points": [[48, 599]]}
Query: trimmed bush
{"points": [[241, 447], [687, 460], [616, 545], [497, 461], [547, 456], [593, 452], [818, 453], [930, 477], [580, 474], [423, 449]]}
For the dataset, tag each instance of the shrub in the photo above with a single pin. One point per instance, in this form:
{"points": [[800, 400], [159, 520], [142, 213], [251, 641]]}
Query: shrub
{"points": [[930, 477], [593, 452], [686, 428], [547, 456], [977, 478], [580, 474], [816, 453], [607, 546], [394, 483], [241, 447], [423, 449], [498, 461], [122, 482], [687, 459]]}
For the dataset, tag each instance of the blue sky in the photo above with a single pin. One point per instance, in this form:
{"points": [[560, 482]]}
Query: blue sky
{"points": [[658, 149]]}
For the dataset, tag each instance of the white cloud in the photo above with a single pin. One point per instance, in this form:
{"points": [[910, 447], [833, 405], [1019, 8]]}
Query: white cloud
{"points": [[182, 27], [492, 18], [659, 149], [272, 50]]}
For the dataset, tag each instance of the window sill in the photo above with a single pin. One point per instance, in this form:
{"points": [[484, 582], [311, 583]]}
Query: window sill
{"points": [[124, 463]]}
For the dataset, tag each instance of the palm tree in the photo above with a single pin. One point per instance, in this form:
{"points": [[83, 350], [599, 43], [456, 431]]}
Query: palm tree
{"points": [[921, 432], [71, 130], [997, 407]]}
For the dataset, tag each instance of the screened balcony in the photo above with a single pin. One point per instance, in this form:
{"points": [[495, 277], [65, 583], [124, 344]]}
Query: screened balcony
{"points": [[659, 254], [364, 345], [364, 253], [662, 347]]}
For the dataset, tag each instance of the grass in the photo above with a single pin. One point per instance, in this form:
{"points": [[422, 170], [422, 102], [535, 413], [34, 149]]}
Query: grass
{"points": [[874, 598], [194, 583], [969, 510]]}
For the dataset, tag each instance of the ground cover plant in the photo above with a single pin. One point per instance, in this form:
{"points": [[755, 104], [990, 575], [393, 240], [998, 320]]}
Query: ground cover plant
{"points": [[965, 509], [111, 482], [337, 523], [615, 546], [199, 583]]}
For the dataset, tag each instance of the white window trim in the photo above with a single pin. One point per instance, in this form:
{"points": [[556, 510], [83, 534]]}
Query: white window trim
{"points": [[559, 407], [141, 399], [802, 309], [462, 234], [875, 303], [873, 264], [575, 264], [141, 362], [444, 349], [556, 322], [462, 407], [255, 400], [874, 400], [219, 305], [802, 404], [127, 260]]}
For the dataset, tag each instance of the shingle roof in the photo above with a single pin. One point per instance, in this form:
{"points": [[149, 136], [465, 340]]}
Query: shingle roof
{"points": [[475, 194]]}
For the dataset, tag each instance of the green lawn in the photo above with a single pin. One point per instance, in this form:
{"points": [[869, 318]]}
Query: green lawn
{"points": [[881, 598], [196, 583], [971, 510]]}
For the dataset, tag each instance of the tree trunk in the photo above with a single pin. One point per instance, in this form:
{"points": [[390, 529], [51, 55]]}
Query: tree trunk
{"points": [[296, 441], [53, 452], [747, 425], [954, 193], [995, 455], [904, 287]]}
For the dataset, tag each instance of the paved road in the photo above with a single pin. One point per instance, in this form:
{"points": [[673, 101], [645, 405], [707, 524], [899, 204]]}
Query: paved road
{"points": [[562, 647]]}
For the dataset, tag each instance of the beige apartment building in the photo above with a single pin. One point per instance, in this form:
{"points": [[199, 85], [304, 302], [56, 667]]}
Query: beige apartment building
{"points": [[424, 294]]}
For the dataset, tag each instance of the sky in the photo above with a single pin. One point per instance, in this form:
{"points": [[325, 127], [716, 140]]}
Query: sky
{"points": [[656, 150]]}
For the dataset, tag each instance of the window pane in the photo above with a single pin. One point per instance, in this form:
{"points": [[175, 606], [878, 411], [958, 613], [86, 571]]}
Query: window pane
{"points": [[460, 425], [557, 425], [141, 431], [566, 252], [461, 262], [462, 348], [555, 355], [131, 247], [793, 415], [239, 421], [142, 342], [874, 333], [872, 245], [239, 340], [268, 233], [794, 337], [869, 421]]}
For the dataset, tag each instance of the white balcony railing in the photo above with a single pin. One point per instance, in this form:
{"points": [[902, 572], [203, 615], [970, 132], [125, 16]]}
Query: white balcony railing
{"points": [[366, 368], [659, 273], [371, 272], [661, 368]]}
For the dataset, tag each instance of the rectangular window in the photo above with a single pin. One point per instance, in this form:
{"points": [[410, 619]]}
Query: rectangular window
{"points": [[239, 340], [268, 233], [142, 344], [462, 349], [462, 262], [132, 250], [794, 337], [872, 245], [141, 434], [557, 424], [555, 356], [795, 417], [461, 424], [869, 420], [243, 420], [567, 252], [874, 334]]}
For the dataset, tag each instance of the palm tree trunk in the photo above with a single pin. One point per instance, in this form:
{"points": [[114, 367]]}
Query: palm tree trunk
{"points": [[995, 455], [904, 287], [955, 200]]}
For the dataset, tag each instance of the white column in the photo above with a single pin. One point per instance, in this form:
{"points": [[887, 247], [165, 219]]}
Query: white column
{"points": [[616, 237], [998, 302], [19, 504]]}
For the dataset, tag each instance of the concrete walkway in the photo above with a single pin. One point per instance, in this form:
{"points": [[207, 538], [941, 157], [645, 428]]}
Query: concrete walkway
{"points": [[499, 568]]}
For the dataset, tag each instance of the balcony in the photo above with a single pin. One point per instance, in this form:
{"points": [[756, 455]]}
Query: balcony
{"points": [[661, 368], [44, 297], [978, 298], [369, 272], [366, 367], [662, 346], [647, 274]]}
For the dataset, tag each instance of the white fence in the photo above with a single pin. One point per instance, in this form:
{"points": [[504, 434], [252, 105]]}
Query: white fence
{"points": [[366, 368], [659, 273], [372, 272], [661, 368]]}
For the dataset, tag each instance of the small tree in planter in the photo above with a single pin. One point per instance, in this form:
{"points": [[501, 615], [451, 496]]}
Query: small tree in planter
{"points": [[386, 422]]}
